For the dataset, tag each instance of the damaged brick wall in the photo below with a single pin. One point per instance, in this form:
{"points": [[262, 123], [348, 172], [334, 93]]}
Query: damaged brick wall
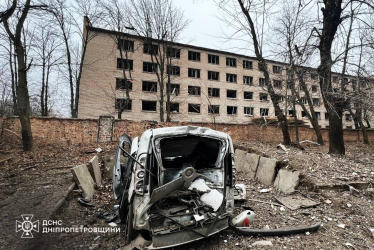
{"points": [[105, 128], [86, 130]]}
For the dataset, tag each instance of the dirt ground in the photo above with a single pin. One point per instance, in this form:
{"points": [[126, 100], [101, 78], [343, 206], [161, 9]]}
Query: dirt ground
{"points": [[33, 183]]}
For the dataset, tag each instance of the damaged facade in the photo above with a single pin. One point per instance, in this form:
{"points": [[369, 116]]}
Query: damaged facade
{"points": [[206, 85], [175, 185]]}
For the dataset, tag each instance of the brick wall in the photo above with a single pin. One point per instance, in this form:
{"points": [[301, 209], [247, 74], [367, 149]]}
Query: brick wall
{"points": [[86, 130]]}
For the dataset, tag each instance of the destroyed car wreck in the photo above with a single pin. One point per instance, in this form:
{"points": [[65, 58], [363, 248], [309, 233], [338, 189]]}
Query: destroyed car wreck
{"points": [[174, 185], [177, 185]]}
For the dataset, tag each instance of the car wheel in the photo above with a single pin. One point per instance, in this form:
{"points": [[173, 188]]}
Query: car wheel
{"points": [[130, 232]]}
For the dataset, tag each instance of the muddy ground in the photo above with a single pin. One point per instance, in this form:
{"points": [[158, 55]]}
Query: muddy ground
{"points": [[33, 183]]}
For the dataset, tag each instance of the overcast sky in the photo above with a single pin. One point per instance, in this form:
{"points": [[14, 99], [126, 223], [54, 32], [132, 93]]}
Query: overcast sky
{"points": [[205, 29]]}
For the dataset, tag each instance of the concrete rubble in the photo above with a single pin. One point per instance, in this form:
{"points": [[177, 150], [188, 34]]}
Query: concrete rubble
{"points": [[286, 180], [266, 170], [94, 163], [84, 180]]}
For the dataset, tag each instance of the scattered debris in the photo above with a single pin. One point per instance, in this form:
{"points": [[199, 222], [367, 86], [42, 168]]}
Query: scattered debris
{"points": [[266, 190], [311, 142], [240, 192], [282, 209], [262, 243], [99, 150], [281, 146], [294, 202], [97, 237], [85, 202], [112, 224], [107, 216], [328, 202], [270, 203], [341, 225], [244, 219]]}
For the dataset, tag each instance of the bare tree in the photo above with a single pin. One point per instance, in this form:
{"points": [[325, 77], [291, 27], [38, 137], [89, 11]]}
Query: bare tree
{"points": [[45, 47], [16, 36], [65, 18], [160, 24], [293, 29], [244, 23]]}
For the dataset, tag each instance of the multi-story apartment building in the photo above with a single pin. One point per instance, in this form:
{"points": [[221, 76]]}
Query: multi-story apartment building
{"points": [[207, 85]]}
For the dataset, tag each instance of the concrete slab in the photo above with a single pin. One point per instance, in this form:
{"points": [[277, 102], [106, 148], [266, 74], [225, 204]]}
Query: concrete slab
{"points": [[84, 180], [251, 165], [240, 160], [109, 161], [287, 180], [266, 170], [94, 162]]}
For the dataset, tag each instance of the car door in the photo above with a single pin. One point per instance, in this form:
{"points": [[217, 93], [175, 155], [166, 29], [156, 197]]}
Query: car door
{"points": [[120, 164]]}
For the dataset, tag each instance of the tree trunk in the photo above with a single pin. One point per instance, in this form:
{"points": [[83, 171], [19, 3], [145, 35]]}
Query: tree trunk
{"points": [[331, 20], [23, 102]]}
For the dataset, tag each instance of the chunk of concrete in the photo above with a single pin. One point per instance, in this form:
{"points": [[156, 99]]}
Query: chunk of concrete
{"points": [[240, 160], [287, 180], [251, 165], [94, 162], [266, 170], [84, 180], [109, 161]]}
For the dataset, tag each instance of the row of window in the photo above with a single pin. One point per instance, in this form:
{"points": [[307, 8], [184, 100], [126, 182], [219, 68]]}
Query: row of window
{"points": [[149, 86], [124, 104], [148, 48]]}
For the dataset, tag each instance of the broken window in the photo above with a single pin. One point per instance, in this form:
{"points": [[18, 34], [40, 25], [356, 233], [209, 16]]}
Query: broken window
{"points": [[277, 69], [248, 111], [231, 93], [289, 85], [248, 80], [345, 81], [263, 97], [316, 101], [174, 70], [213, 75], [326, 116], [291, 112], [174, 89], [194, 90], [248, 95], [214, 59], [193, 108], [123, 63], [149, 67], [231, 62], [213, 92], [213, 109], [150, 48], [173, 52], [232, 110], [278, 98], [149, 105], [261, 82], [354, 84], [303, 114], [174, 107], [247, 64], [123, 104], [193, 56], [318, 115], [277, 84], [231, 78], [264, 112], [304, 101], [314, 76], [335, 79], [348, 117], [125, 45], [120, 84], [149, 86], [314, 89], [194, 73]]}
